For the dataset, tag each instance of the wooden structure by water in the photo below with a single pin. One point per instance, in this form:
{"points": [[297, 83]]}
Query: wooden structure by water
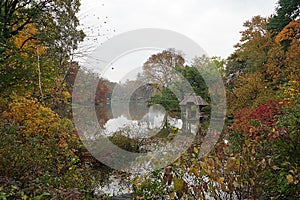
{"points": [[191, 111], [191, 107]]}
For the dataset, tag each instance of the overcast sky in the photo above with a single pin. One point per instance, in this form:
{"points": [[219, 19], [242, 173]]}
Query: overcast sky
{"points": [[213, 24]]}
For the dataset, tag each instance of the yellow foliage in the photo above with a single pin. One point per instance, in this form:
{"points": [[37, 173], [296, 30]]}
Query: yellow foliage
{"points": [[291, 93], [32, 117], [208, 172], [221, 180], [211, 162], [196, 150], [252, 181], [290, 178], [180, 187], [26, 40], [247, 88]]}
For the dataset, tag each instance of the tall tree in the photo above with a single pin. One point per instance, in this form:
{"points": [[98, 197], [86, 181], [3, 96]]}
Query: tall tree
{"points": [[251, 52], [159, 69], [37, 40], [51, 17], [286, 11]]}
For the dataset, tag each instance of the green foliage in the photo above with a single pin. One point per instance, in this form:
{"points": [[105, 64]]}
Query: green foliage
{"points": [[40, 152], [193, 76], [37, 40], [164, 133], [262, 95], [125, 143], [55, 20], [167, 99], [286, 11], [150, 186], [285, 161], [170, 97]]}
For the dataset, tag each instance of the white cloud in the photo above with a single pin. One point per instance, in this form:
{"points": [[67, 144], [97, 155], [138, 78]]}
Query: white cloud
{"points": [[213, 24]]}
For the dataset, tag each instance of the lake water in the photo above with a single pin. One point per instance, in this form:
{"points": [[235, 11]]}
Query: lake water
{"points": [[140, 121]]}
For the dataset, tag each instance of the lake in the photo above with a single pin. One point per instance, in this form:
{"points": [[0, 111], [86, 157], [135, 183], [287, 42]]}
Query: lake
{"points": [[143, 121], [137, 121]]}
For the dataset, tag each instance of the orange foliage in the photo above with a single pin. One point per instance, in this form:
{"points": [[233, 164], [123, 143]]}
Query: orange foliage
{"points": [[289, 32], [293, 60]]}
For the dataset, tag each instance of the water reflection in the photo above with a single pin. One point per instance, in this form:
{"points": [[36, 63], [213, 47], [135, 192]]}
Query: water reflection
{"points": [[141, 122], [125, 143]]}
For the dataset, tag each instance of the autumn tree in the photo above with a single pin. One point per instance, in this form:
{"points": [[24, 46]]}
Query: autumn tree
{"points": [[289, 33], [251, 52], [159, 69], [264, 62], [37, 40], [55, 20], [249, 75]]}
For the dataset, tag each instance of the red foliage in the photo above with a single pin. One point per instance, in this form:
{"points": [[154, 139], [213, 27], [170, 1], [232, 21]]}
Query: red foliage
{"points": [[256, 120], [242, 120], [266, 113]]}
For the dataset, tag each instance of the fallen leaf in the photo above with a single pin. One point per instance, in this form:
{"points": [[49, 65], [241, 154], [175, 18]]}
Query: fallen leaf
{"points": [[196, 150], [289, 178], [221, 180]]}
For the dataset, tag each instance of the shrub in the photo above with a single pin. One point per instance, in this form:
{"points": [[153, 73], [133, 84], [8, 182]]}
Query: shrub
{"points": [[39, 155]]}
